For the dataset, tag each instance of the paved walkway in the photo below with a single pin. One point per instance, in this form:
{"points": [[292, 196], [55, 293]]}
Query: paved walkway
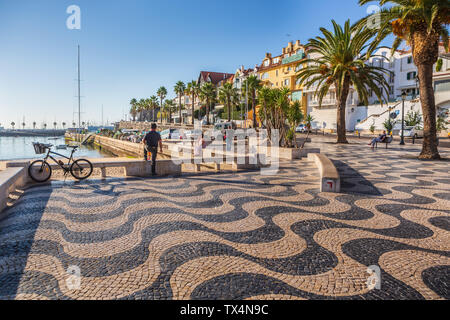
{"points": [[237, 236]]}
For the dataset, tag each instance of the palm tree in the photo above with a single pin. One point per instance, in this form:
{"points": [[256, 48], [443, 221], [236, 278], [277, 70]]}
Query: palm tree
{"points": [[193, 89], [45, 126], [179, 90], [34, 125], [162, 94], [23, 125], [13, 124], [252, 84], [208, 95], [421, 24], [64, 125], [341, 64], [133, 109], [226, 95], [154, 105], [55, 124], [169, 105], [141, 108]]}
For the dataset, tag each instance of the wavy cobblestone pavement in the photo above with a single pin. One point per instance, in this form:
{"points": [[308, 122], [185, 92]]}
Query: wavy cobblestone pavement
{"points": [[238, 236]]}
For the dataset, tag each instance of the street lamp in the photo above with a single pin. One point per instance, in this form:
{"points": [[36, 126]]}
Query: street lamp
{"points": [[402, 142]]}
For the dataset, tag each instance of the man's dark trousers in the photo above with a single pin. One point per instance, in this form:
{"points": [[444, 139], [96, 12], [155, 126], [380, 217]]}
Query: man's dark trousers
{"points": [[154, 152]]}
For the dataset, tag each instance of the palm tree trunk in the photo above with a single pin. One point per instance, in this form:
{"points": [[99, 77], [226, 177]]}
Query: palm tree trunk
{"points": [[342, 103], [161, 109], [254, 108], [430, 141], [179, 100], [207, 113], [193, 102], [229, 111]]}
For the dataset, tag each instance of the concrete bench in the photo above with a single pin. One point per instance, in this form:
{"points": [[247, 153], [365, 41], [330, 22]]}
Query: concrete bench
{"points": [[330, 180], [10, 180]]}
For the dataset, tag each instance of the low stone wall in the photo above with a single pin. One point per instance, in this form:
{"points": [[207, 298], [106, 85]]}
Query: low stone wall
{"points": [[11, 178]]}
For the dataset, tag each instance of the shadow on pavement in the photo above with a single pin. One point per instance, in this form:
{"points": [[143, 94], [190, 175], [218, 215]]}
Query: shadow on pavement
{"points": [[352, 182]]}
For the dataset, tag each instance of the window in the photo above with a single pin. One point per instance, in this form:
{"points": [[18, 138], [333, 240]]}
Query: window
{"points": [[391, 90], [276, 60], [289, 69], [276, 72], [299, 67], [266, 63], [286, 82], [265, 76], [410, 60], [392, 63], [411, 75]]}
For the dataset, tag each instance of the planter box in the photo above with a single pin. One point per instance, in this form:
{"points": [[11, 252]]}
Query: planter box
{"points": [[294, 153]]}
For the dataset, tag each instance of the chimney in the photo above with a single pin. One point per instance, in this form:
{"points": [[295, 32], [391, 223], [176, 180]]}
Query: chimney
{"points": [[298, 43], [268, 55]]}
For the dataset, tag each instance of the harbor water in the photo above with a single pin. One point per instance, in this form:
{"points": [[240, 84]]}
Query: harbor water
{"points": [[21, 148]]}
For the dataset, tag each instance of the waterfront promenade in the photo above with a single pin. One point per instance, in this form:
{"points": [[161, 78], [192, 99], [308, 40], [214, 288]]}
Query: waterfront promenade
{"points": [[238, 235]]}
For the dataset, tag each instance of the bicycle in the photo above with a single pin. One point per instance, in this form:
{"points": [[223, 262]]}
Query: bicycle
{"points": [[41, 171]]}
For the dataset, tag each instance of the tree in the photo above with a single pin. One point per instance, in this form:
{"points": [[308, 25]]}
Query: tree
{"points": [[162, 94], [422, 24], [55, 124], [274, 110], [13, 124], [34, 125], [341, 63], [388, 125], [169, 105], [294, 117], [179, 90], [64, 125], [208, 96], [45, 126], [154, 105], [413, 118], [23, 125], [226, 95], [133, 109], [252, 84], [193, 89], [141, 108]]}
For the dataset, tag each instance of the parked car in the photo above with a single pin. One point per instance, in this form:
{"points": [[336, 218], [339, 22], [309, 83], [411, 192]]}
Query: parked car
{"points": [[172, 134], [301, 128], [411, 132]]}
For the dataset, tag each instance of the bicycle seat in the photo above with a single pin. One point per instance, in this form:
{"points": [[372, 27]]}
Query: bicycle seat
{"points": [[73, 147]]}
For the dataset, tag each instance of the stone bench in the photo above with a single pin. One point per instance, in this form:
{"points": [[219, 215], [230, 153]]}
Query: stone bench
{"points": [[11, 179], [330, 180]]}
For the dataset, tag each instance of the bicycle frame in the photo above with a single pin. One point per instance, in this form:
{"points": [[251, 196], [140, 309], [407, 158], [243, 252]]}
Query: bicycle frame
{"points": [[50, 152]]}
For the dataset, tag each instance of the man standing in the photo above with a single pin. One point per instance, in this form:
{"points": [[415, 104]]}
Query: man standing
{"points": [[152, 140]]}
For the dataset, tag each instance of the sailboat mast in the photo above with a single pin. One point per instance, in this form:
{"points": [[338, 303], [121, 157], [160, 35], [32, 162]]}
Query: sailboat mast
{"points": [[79, 90]]}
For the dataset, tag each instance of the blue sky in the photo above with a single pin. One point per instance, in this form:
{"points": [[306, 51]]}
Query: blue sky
{"points": [[132, 47]]}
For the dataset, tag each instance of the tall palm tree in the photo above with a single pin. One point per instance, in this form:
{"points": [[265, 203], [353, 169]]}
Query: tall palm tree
{"points": [[162, 94], [340, 63], [13, 124], [169, 105], [193, 89], [208, 95], [34, 125], [147, 108], [64, 125], [252, 85], [55, 124], [23, 125], [154, 105], [133, 109], [141, 108], [422, 24], [179, 90], [226, 96]]}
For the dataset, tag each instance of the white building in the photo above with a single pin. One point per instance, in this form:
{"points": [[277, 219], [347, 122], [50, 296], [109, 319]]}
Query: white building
{"points": [[402, 77]]}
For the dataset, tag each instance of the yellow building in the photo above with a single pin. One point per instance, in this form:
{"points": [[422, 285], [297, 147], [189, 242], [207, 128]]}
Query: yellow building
{"points": [[280, 71]]}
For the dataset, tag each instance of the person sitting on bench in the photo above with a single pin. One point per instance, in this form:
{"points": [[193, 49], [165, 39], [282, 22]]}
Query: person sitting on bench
{"points": [[381, 138]]}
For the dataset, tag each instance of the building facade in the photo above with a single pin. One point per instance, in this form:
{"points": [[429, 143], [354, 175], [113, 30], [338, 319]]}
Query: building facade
{"points": [[280, 71]]}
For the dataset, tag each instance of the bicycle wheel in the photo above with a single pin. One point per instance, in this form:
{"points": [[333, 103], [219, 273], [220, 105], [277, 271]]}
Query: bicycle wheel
{"points": [[40, 171], [81, 169]]}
